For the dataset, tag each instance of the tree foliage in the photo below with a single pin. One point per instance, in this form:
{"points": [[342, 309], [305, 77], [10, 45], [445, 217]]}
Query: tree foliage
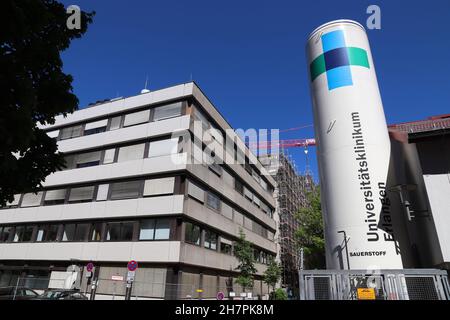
{"points": [[272, 274], [244, 254], [33, 90], [310, 234]]}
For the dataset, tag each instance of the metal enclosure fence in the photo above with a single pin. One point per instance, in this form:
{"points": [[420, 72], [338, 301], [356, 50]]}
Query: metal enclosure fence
{"points": [[108, 289], [407, 284]]}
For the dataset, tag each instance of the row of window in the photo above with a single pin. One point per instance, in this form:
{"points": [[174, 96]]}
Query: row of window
{"points": [[193, 235], [212, 201], [122, 121], [135, 189], [101, 192], [239, 155], [146, 230], [155, 148]]}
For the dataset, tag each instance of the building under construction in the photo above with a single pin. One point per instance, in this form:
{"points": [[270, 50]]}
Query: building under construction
{"points": [[290, 194]]}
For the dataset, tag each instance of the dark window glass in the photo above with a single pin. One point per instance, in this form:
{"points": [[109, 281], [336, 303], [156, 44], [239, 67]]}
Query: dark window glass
{"points": [[213, 201], [225, 248], [75, 232], [192, 234], [238, 186], [119, 231], [94, 131], [96, 232], [23, 234], [47, 233], [210, 240]]}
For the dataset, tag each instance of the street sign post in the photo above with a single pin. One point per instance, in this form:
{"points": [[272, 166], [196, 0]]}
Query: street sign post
{"points": [[89, 267], [131, 266], [220, 295]]}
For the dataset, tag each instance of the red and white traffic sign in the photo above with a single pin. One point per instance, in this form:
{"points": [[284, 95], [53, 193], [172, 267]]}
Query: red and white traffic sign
{"points": [[132, 265]]}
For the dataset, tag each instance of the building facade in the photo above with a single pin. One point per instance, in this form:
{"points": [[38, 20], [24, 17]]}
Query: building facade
{"points": [[419, 189], [137, 187]]}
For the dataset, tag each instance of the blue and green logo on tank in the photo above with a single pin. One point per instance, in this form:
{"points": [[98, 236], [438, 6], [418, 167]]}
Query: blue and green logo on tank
{"points": [[337, 59]]}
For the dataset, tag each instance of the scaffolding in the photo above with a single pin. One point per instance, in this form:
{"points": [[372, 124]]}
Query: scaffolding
{"points": [[290, 195]]}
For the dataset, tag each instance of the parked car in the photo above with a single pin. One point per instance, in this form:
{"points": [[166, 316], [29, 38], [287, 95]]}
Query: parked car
{"points": [[19, 293], [60, 294]]}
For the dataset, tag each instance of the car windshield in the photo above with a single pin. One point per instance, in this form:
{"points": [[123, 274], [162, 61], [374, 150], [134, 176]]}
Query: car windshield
{"points": [[52, 294]]}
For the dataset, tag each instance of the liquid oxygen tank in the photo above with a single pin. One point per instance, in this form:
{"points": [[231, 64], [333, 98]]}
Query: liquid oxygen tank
{"points": [[353, 149]]}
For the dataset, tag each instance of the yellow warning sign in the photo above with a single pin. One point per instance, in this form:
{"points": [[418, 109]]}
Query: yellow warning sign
{"points": [[366, 294]]}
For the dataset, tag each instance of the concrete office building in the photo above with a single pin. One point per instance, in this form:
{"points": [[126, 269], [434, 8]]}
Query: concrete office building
{"points": [[132, 191]]}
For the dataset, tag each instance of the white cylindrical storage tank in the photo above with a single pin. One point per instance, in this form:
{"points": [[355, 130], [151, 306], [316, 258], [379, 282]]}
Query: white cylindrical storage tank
{"points": [[353, 149]]}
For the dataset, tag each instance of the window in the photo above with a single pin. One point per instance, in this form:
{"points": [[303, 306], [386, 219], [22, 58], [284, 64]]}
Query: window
{"points": [[119, 231], [159, 186], [216, 168], [75, 232], [256, 176], [256, 201], [238, 218], [227, 211], [162, 231], [125, 190], [133, 152], [248, 194], [264, 184], [163, 147], [192, 233], [225, 246], [136, 118], [95, 127], [228, 178], [196, 192], [213, 201], [53, 134], [238, 186], [154, 229], [71, 132], [115, 123], [147, 230], [265, 208], [210, 240], [96, 232], [5, 233], [109, 156], [169, 111], [248, 223], [87, 159], [15, 202], [32, 199], [83, 194], [257, 228], [55, 197], [102, 192], [199, 116], [23, 234], [47, 233]]}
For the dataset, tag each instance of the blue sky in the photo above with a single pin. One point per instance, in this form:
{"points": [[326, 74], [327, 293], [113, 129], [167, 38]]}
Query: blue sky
{"points": [[249, 56]]}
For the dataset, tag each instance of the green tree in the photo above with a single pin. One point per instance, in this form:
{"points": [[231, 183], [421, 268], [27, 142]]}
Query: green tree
{"points": [[33, 90], [272, 274], [280, 294], [310, 235], [244, 254]]}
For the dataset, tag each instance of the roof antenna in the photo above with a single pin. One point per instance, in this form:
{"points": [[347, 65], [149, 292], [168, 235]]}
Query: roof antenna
{"points": [[145, 90]]}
